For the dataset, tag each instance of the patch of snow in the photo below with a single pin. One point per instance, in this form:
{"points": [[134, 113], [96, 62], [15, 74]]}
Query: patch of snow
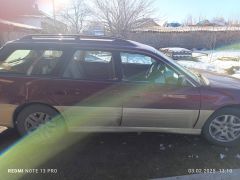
{"points": [[176, 49], [236, 76], [214, 61], [193, 156], [238, 156], [162, 147], [197, 65], [222, 156]]}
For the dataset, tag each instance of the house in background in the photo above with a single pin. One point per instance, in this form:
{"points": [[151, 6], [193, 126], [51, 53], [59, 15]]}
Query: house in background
{"points": [[40, 19], [146, 23], [19, 18], [10, 30]]}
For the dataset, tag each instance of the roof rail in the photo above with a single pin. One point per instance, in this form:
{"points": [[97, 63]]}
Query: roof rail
{"points": [[73, 37], [47, 36], [66, 37]]}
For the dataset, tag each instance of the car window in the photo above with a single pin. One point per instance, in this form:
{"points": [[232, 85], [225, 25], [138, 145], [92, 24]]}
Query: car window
{"points": [[16, 55], [142, 68], [31, 62], [90, 65], [130, 58], [98, 56]]}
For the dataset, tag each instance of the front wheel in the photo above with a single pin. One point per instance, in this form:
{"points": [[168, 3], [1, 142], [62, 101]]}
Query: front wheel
{"points": [[223, 127]]}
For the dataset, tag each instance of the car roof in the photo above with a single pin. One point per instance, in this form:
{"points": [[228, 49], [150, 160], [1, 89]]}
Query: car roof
{"points": [[84, 40]]}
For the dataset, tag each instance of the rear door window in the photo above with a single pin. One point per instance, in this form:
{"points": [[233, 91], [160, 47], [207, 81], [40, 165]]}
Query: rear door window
{"points": [[91, 65], [131, 58], [31, 62]]}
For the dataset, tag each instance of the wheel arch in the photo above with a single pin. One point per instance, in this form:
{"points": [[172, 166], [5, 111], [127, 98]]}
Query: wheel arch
{"points": [[25, 105], [233, 106], [205, 115], [234, 110]]}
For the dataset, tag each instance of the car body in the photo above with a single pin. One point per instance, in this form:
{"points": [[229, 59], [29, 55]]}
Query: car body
{"points": [[121, 89]]}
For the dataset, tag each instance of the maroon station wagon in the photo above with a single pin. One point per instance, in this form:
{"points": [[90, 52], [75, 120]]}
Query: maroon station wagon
{"points": [[104, 84]]}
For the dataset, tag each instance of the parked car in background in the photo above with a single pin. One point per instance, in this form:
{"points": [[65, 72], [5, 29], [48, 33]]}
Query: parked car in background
{"points": [[103, 84], [172, 24]]}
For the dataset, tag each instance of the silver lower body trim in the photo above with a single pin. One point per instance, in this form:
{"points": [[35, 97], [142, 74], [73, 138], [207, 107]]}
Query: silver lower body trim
{"points": [[136, 129]]}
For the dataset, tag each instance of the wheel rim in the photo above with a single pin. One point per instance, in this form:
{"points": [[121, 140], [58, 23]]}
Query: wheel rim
{"points": [[225, 128], [40, 120]]}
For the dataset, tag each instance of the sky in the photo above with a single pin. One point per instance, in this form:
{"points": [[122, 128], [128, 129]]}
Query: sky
{"points": [[176, 10]]}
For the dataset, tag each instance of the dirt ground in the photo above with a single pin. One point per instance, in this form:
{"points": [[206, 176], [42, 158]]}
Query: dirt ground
{"points": [[133, 156]]}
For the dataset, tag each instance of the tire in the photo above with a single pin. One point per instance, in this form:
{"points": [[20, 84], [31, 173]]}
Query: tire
{"points": [[223, 127], [41, 121]]}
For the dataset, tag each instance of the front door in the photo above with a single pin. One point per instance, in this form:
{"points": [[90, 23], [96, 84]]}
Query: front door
{"points": [[154, 96]]}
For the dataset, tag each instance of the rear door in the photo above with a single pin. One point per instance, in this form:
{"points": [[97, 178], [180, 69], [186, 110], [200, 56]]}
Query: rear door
{"points": [[87, 92], [153, 96]]}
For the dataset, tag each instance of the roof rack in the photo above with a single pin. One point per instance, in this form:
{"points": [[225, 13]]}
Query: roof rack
{"points": [[76, 37]]}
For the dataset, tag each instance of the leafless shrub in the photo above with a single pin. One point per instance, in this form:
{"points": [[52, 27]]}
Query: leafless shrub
{"points": [[122, 16], [75, 15]]}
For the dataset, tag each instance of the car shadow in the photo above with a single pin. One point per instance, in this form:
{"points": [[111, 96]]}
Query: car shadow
{"points": [[137, 156], [7, 138]]}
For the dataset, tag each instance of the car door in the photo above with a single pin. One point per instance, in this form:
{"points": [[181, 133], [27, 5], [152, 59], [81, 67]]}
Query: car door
{"points": [[153, 96], [86, 93]]}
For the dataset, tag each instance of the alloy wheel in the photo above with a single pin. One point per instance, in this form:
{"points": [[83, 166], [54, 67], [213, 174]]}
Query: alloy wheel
{"points": [[41, 121], [225, 128]]}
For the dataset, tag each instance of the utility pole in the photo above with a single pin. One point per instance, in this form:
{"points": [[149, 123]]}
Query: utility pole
{"points": [[54, 12]]}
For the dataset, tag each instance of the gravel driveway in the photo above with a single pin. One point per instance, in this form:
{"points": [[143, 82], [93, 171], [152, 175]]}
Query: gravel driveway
{"points": [[133, 156]]}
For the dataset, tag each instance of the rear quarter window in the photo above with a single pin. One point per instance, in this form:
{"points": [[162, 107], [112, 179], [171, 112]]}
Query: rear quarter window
{"points": [[31, 62]]}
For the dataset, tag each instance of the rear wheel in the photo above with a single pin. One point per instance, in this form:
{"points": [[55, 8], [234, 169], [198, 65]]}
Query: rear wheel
{"points": [[223, 127], [41, 120]]}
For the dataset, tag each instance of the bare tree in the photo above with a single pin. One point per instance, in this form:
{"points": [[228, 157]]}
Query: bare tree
{"points": [[74, 15], [235, 21], [219, 21], [122, 16], [189, 21]]}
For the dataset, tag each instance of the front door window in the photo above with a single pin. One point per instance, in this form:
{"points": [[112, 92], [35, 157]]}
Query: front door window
{"points": [[142, 68]]}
